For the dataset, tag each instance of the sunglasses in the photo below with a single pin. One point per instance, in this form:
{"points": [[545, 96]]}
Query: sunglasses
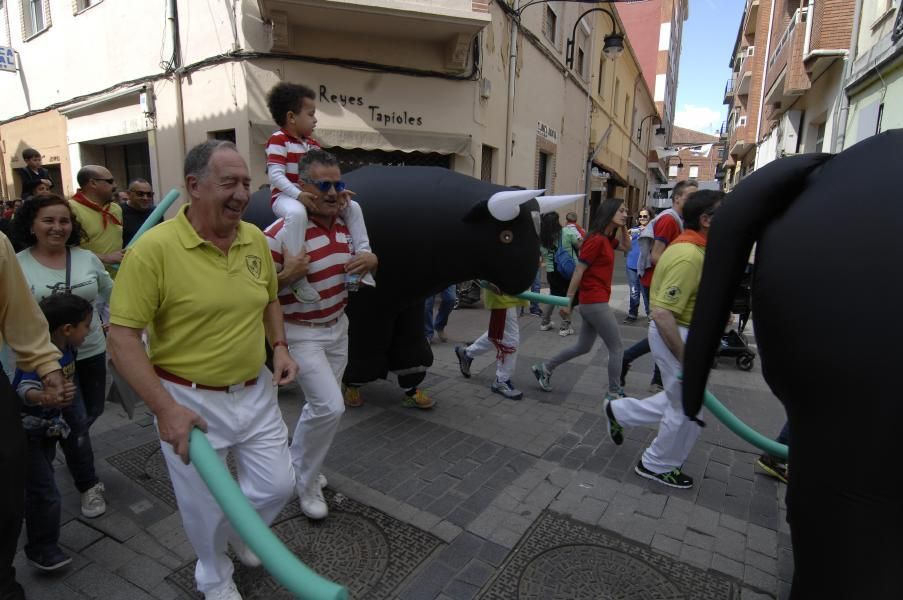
{"points": [[644, 216], [324, 186], [110, 180]]}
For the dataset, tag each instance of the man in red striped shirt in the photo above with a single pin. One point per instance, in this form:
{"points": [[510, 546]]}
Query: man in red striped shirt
{"points": [[317, 332]]}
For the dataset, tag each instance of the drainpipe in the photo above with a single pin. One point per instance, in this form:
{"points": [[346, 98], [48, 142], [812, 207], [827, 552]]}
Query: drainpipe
{"points": [[840, 130], [764, 73], [172, 17], [512, 74], [810, 9]]}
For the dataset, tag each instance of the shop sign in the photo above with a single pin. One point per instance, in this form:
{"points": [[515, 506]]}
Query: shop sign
{"points": [[7, 59], [546, 132], [378, 114]]}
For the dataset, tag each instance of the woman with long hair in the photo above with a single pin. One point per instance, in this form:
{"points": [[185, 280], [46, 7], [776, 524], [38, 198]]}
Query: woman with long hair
{"points": [[591, 287], [54, 264], [551, 235]]}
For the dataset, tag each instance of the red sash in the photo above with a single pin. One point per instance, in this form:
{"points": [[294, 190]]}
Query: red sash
{"points": [[108, 217], [691, 237]]}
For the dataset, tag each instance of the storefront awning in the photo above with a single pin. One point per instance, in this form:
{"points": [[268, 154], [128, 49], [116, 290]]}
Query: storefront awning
{"points": [[389, 140]]}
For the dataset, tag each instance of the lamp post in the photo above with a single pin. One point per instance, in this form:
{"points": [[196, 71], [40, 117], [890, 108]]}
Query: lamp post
{"points": [[660, 130], [613, 42]]}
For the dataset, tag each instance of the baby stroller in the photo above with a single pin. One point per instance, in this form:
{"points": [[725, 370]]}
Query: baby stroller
{"points": [[733, 343]]}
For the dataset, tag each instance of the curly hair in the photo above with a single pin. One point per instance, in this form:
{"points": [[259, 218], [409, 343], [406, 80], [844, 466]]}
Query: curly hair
{"points": [[25, 215], [285, 97]]}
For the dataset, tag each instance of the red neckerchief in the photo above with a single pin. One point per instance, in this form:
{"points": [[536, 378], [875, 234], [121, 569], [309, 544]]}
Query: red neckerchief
{"points": [[691, 237], [108, 217]]}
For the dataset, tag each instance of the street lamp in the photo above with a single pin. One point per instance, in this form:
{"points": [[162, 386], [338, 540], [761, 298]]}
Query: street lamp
{"points": [[660, 130], [614, 41]]}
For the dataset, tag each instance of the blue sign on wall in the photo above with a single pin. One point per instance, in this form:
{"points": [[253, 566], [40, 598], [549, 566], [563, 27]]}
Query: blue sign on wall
{"points": [[7, 59]]}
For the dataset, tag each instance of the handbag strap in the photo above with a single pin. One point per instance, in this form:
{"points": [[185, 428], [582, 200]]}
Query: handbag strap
{"points": [[68, 268]]}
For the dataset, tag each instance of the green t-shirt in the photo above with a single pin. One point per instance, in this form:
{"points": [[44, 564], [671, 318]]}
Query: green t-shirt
{"points": [[571, 238], [676, 280]]}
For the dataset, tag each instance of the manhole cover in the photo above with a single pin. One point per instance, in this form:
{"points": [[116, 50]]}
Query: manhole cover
{"points": [[357, 546], [563, 559]]}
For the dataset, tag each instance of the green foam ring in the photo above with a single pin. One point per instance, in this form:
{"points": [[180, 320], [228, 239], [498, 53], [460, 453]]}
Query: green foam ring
{"points": [[720, 411], [284, 566], [152, 219]]}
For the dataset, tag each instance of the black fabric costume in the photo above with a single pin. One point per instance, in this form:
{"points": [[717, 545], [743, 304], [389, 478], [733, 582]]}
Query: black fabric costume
{"points": [[824, 291]]}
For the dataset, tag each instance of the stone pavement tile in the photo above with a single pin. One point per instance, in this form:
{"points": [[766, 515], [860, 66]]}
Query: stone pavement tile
{"points": [[144, 572], [717, 471], [711, 493], [733, 523], [461, 590], [487, 522], [476, 573], [77, 536], [764, 563], [665, 544], [762, 540], [505, 537], [730, 543], [492, 553], [699, 540], [748, 594], [146, 545], [652, 505], [164, 591], [704, 520], [671, 529], [461, 550], [728, 566], [641, 529], [736, 507], [785, 564], [737, 486], [695, 556], [446, 531], [590, 510], [96, 582], [461, 517], [109, 554], [760, 580], [429, 582], [115, 524]]}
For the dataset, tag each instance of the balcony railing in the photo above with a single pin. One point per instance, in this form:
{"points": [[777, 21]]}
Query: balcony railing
{"points": [[730, 89], [785, 37]]}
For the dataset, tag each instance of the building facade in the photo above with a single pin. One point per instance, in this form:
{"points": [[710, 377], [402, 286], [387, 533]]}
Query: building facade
{"points": [[699, 156], [398, 82]]}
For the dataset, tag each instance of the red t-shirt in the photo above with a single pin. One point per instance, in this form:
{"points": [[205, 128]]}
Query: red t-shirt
{"points": [[598, 254], [665, 230]]}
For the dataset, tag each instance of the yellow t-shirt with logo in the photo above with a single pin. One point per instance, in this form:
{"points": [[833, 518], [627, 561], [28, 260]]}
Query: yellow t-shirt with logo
{"points": [[101, 240], [203, 310], [676, 280]]}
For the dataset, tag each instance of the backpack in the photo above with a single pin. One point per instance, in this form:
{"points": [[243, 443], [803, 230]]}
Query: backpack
{"points": [[564, 261]]}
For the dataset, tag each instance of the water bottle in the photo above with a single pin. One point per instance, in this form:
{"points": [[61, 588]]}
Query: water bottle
{"points": [[352, 282]]}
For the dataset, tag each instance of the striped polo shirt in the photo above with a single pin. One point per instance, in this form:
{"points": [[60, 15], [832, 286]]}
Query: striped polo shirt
{"points": [[286, 150], [329, 250]]}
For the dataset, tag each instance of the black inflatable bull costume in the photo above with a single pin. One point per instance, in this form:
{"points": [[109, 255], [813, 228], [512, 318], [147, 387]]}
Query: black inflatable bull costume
{"points": [[430, 228], [828, 273]]}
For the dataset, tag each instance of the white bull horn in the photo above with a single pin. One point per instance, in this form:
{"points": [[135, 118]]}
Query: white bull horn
{"points": [[550, 203], [505, 206]]}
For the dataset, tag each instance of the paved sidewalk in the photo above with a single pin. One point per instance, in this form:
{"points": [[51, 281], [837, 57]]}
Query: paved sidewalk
{"points": [[479, 497]]}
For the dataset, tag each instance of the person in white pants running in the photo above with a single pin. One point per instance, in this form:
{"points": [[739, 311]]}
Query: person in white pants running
{"points": [[205, 290], [673, 298], [317, 332]]}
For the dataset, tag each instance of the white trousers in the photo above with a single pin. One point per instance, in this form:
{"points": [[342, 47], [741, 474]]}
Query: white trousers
{"points": [[249, 423], [504, 369], [295, 227], [676, 432], [321, 354]]}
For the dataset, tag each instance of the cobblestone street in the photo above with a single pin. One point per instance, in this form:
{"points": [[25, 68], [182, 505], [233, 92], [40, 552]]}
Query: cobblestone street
{"points": [[480, 497]]}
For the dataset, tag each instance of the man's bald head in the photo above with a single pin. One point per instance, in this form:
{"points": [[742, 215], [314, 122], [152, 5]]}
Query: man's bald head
{"points": [[96, 182]]}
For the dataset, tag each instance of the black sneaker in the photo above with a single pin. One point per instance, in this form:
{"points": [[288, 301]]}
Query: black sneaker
{"points": [[615, 431], [463, 361], [50, 560], [674, 478], [773, 467]]}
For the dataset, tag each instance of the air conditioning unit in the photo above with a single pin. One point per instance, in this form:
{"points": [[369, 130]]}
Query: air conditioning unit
{"points": [[751, 51], [741, 121]]}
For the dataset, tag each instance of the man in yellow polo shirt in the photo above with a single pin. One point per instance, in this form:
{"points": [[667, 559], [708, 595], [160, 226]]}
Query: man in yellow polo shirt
{"points": [[673, 298], [204, 287], [99, 216]]}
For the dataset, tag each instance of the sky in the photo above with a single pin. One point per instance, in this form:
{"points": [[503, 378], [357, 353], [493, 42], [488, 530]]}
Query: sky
{"points": [[708, 40]]}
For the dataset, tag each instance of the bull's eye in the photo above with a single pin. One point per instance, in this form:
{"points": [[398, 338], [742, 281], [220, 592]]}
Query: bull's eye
{"points": [[506, 236]]}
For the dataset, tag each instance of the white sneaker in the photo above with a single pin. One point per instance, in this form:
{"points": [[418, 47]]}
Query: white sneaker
{"points": [[566, 332], [245, 555], [226, 591], [546, 326], [305, 292], [313, 504], [93, 504], [321, 480]]}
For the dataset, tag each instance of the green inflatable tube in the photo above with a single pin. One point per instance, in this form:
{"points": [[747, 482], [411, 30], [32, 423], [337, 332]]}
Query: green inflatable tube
{"points": [[284, 566], [721, 412], [157, 215]]}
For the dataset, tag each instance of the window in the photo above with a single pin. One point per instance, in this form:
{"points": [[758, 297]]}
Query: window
{"points": [[81, 5], [486, 163], [633, 119], [550, 24], [880, 118], [33, 21], [672, 171], [626, 107], [617, 93], [224, 135], [581, 62], [694, 172], [543, 178]]}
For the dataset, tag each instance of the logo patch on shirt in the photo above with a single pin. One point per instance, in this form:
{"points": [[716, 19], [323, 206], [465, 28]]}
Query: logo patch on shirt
{"points": [[672, 293], [253, 263]]}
